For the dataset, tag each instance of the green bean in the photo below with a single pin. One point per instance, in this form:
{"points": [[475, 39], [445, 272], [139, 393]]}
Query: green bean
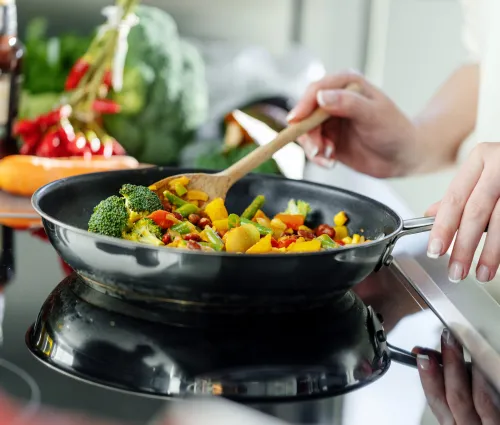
{"points": [[263, 230], [183, 228], [327, 242], [174, 200], [233, 221], [187, 209], [214, 239], [255, 206]]}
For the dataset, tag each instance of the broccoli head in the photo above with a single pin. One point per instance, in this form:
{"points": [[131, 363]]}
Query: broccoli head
{"points": [[299, 207], [140, 201], [110, 217], [145, 231]]}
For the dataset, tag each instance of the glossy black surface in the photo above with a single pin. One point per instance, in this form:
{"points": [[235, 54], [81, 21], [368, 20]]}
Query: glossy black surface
{"points": [[323, 353], [200, 281]]}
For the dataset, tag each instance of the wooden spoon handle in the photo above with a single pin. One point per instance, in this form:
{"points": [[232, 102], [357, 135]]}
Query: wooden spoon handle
{"points": [[287, 135]]}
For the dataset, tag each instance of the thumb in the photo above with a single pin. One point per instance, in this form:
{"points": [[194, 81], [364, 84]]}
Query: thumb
{"points": [[344, 103], [432, 210]]}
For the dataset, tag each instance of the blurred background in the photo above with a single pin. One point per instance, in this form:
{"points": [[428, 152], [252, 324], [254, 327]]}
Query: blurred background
{"points": [[188, 68], [264, 48]]}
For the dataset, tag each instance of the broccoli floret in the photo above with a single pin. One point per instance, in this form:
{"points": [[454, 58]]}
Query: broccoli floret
{"points": [[299, 207], [145, 231], [140, 201], [110, 217]]}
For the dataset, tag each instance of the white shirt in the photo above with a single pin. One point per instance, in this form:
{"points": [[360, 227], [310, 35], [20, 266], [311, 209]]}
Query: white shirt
{"points": [[481, 36]]}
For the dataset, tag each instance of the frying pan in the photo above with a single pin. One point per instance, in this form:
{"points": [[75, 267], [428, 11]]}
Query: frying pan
{"points": [[222, 282]]}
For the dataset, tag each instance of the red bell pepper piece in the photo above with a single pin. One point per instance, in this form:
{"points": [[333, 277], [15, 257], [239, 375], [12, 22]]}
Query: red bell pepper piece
{"points": [[106, 106], [340, 243], [162, 219], [292, 221], [285, 243], [78, 70], [275, 243]]}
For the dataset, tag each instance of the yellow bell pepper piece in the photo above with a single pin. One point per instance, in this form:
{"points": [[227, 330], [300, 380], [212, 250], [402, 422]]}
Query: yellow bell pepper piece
{"points": [[221, 225], [262, 247], [340, 219], [356, 238], [261, 214], [289, 231], [196, 195], [341, 232], [362, 239], [152, 187], [180, 190], [216, 210], [347, 240], [309, 246], [183, 181]]}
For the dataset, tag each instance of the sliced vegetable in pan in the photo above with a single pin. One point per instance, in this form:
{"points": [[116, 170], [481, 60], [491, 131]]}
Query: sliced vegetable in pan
{"points": [[186, 219]]}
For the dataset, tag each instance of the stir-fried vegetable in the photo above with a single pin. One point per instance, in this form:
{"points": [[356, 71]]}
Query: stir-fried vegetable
{"points": [[184, 219]]}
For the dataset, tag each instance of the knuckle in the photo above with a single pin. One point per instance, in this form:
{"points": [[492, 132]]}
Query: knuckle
{"points": [[474, 210], [457, 399], [453, 199], [483, 403]]}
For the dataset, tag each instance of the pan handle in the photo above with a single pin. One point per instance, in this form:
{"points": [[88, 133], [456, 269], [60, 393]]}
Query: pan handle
{"points": [[409, 359], [410, 227]]}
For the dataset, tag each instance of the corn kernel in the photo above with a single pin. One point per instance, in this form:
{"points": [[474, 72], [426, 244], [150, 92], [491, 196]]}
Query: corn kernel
{"points": [[340, 219], [299, 240], [153, 187], [289, 231], [183, 180], [362, 239], [347, 240], [305, 228], [355, 238]]}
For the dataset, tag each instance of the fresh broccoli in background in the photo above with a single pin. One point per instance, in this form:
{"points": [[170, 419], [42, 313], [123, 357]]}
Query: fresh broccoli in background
{"points": [[110, 217], [299, 207], [140, 201], [145, 231], [164, 97]]}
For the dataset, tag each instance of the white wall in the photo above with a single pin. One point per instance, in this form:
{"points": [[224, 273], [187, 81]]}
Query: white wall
{"points": [[423, 46]]}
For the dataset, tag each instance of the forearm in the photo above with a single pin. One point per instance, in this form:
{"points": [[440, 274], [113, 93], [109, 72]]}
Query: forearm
{"points": [[447, 120]]}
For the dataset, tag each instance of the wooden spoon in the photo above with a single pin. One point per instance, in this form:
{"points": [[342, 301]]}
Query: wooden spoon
{"points": [[217, 185]]}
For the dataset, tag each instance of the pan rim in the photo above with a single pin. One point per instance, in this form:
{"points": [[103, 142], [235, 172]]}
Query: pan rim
{"points": [[125, 243]]}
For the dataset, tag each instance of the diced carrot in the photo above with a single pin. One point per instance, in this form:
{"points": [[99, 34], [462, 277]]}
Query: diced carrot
{"points": [[293, 221]]}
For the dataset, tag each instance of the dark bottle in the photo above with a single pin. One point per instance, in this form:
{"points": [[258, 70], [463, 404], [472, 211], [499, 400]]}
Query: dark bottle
{"points": [[11, 57]]}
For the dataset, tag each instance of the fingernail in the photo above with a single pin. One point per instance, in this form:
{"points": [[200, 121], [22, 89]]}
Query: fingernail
{"points": [[327, 163], [483, 274], [435, 248], [328, 151], [448, 337], [423, 361], [327, 97], [456, 272], [291, 115]]}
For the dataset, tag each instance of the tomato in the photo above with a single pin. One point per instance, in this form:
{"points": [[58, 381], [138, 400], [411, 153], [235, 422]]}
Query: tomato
{"points": [[162, 218]]}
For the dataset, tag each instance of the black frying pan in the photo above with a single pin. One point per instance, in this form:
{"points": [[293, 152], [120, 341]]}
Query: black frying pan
{"points": [[219, 281]]}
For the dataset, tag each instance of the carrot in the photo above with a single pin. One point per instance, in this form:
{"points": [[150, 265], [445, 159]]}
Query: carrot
{"points": [[24, 174]]}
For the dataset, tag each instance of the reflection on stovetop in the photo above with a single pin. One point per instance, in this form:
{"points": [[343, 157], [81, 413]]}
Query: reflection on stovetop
{"points": [[102, 339]]}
